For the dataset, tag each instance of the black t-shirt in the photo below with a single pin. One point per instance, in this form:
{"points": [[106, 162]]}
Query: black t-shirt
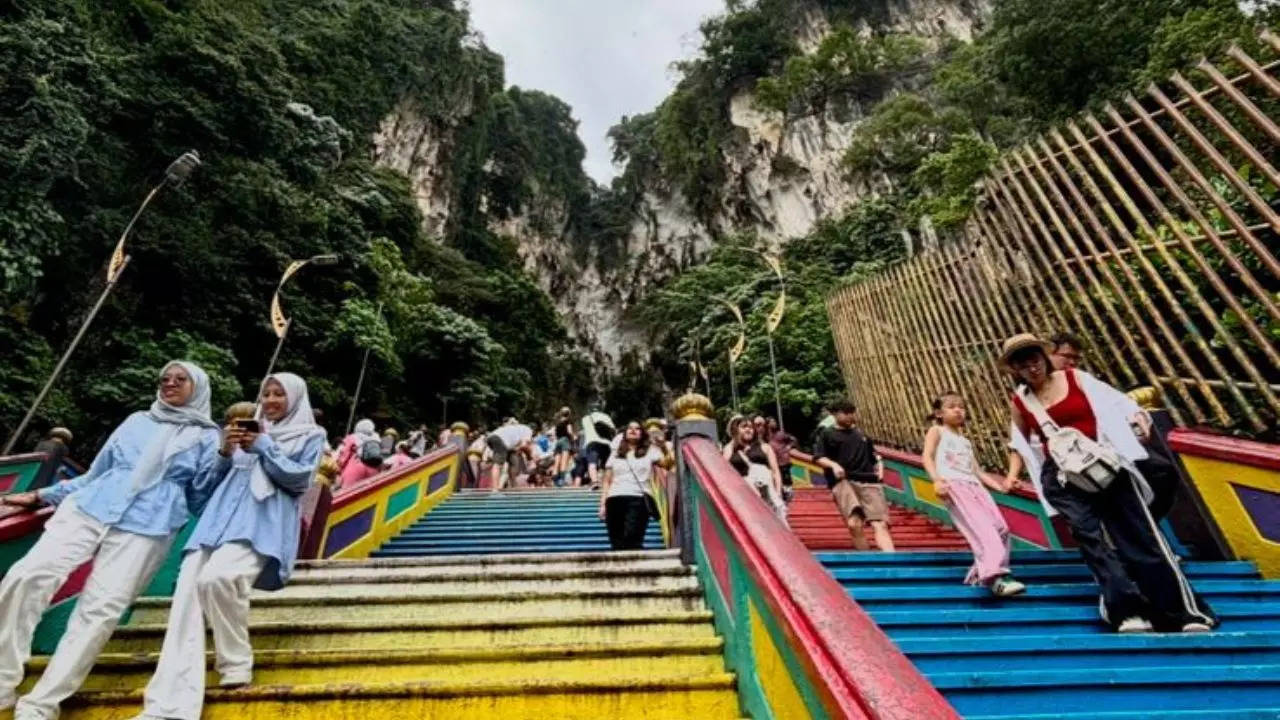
{"points": [[562, 429], [851, 450]]}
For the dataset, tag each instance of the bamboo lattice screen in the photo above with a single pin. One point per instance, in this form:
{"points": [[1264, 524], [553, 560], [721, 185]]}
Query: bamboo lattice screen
{"points": [[1149, 229]]}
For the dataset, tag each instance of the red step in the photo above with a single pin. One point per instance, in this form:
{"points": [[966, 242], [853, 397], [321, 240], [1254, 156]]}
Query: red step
{"points": [[814, 519]]}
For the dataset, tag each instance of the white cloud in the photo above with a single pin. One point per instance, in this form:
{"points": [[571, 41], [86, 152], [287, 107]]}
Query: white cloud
{"points": [[606, 58]]}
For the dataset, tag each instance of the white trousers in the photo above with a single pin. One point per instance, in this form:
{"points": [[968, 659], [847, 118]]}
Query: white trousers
{"points": [[123, 565], [212, 584]]}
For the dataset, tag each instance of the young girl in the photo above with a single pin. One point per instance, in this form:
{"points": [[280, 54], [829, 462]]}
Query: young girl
{"points": [[948, 458]]}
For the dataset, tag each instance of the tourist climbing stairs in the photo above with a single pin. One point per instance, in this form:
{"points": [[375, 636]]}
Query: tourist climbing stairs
{"points": [[816, 521], [1046, 655], [459, 632]]}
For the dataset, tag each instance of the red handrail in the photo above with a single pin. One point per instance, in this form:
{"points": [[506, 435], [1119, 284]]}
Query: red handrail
{"points": [[1229, 449], [859, 669]]}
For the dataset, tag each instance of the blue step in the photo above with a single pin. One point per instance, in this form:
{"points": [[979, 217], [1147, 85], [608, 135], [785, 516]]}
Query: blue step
{"points": [[517, 522], [1046, 654]]}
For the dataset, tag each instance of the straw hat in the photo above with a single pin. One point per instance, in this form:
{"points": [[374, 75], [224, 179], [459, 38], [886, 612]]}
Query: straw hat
{"points": [[460, 427], [61, 432], [1018, 342]]}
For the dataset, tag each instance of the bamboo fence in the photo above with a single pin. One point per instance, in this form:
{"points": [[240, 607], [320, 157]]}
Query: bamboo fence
{"points": [[1148, 229]]}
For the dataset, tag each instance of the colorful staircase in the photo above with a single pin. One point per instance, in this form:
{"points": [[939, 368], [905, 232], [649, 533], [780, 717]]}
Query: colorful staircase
{"points": [[1045, 655], [515, 521], [573, 635], [814, 518]]}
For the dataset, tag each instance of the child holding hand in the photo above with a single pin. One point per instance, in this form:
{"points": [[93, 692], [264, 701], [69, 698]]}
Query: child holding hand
{"points": [[949, 460]]}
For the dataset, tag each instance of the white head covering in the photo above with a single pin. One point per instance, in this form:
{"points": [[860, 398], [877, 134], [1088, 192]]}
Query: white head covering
{"points": [[180, 428], [365, 428], [291, 432]]}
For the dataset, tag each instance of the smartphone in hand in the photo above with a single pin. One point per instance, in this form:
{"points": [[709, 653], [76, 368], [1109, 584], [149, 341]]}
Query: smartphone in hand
{"points": [[248, 425]]}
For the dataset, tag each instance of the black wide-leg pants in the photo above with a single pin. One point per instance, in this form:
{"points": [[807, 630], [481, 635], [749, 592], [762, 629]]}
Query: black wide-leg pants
{"points": [[1137, 571]]}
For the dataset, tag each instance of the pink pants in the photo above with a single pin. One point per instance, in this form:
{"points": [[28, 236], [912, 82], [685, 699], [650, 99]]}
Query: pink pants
{"points": [[978, 518]]}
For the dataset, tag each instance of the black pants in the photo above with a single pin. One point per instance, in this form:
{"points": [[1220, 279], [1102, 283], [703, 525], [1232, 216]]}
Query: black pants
{"points": [[627, 517], [1137, 572], [785, 471]]}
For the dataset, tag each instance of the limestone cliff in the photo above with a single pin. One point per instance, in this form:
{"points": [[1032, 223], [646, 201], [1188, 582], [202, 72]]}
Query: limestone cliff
{"points": [[781, 179]]}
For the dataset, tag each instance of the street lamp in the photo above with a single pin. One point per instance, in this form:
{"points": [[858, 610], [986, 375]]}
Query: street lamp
{"points": [[174, 175], [279, 322], [351, 416]]}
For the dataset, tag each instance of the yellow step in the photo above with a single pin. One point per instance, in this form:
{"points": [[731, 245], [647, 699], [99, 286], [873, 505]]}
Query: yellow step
{"points": [[451, 632], [425, 605], [513, 566], [616, 661], [657, 697]]}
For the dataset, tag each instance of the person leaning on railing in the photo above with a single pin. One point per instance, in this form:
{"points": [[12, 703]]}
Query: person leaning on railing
{"points": [[1142, 584], [123, 513], [248, 537]]}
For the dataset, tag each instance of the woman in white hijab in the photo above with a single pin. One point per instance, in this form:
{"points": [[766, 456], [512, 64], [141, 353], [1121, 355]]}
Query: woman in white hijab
{"points": [[247, 537], [154, 472]]}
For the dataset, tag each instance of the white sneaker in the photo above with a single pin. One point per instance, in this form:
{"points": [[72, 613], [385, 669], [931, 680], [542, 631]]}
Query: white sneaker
{"points": [[1196, 627], [1007, 586], [235, 680], [1134, 624]]}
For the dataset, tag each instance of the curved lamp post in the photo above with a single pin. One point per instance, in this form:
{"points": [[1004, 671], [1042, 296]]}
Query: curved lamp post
{"points": [[174, 175], [772, 322], [279, 323]]}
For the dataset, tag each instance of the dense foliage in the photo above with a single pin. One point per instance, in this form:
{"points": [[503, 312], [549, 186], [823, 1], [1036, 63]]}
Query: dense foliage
{"points": [[934, 117], [281, 98]]}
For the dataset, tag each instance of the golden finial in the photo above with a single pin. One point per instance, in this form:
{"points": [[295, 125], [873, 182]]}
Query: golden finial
{"points": [[1147, 397], [692, 406]]}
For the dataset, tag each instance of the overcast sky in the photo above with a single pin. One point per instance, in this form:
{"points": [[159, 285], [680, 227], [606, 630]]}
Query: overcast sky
{"points": [[606, 58]]}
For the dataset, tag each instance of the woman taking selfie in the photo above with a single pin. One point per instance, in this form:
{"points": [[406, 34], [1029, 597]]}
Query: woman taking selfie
{"points": [[1096, 433], [247, 537], [624, 506], [156, 469]]}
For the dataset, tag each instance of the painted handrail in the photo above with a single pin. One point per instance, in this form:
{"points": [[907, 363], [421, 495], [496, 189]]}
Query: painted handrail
{"points": [[855, 668], [356, 520]]}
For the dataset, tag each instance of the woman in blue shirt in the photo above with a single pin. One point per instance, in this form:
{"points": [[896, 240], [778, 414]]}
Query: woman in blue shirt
{"points": [[153, 473], [248, 536]]}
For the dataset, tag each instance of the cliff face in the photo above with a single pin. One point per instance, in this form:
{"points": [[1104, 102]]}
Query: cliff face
{"points": [[781, 179]]}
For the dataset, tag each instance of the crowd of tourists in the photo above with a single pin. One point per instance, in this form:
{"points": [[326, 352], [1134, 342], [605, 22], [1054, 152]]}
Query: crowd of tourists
{"points": [[1084, 444], [1087, 450]]}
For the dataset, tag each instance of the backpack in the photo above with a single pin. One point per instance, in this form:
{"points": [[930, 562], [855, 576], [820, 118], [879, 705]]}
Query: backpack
{"points": [[1089, 465], [370, 452]]}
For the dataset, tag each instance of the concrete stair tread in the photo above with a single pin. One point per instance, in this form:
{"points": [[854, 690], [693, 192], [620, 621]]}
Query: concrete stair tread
{"points": [[456, 574], [1041, 572], [1089, 643], [1200, 714], [389, 594], [589, 692], [875, 592], [1149, 675], [965, 558], [692, 617], [610, 557], [264, 658]]}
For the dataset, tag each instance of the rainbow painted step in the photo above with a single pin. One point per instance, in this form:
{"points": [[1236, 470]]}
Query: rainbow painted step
{"points": [[1046, 655], [564, 635], [814, 519], [525, 521]]}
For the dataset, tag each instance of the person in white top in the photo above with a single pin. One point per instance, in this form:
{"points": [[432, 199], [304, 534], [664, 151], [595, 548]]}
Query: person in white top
{"points": [[958, 481], [511, 438], [624, 494]]}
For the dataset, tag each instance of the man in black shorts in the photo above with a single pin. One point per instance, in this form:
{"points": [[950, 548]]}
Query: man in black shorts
{"points": [[856, 477]]}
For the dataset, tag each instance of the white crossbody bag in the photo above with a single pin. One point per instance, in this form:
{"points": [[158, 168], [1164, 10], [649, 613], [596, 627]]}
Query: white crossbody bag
{"points": [[1085, 463]]}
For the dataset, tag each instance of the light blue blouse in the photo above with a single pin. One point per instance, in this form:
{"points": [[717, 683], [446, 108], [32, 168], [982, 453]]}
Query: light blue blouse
{"points": [[105, 491], [270, 526]]}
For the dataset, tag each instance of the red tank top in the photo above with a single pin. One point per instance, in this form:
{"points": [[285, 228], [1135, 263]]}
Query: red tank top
{"points": [[1071, 411]]}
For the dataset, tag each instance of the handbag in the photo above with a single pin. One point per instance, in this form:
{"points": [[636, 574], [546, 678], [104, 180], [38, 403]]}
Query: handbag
{"points": [[650, 502], [1083, 462]]}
